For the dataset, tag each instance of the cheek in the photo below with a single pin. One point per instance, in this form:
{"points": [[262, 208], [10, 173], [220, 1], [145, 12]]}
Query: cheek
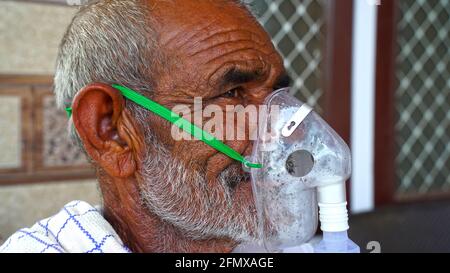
{"points": [[192, 153], [161, 130]]}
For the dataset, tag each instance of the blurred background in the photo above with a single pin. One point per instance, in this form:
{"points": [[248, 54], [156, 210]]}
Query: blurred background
{"points": [[377, 70]]}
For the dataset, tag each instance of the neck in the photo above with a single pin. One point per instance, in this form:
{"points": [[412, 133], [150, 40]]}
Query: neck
{"points": [[143, 231]]}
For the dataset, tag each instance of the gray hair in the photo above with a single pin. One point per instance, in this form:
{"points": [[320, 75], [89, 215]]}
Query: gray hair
{"points": [[108, 41]]}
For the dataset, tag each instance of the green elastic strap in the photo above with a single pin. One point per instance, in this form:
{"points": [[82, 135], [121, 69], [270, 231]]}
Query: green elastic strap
{"points": [[182, 123]]}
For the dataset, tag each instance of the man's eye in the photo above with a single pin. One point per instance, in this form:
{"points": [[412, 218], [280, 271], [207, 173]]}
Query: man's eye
{"points": [[283, 82], [233, 93]]}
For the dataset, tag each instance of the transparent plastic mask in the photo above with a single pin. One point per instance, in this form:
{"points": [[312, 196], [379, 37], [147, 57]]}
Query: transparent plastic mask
{"points": [[299, 151]]}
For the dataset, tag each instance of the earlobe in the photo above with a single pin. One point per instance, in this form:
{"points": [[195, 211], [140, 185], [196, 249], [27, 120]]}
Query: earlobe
{"points": [[98, 111]]}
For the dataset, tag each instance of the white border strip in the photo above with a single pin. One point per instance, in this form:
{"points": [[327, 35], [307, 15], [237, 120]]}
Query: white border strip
{"points": [[363, 105]]}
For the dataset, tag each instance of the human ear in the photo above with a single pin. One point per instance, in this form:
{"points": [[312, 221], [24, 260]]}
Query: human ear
{"points": [[106, 129]]}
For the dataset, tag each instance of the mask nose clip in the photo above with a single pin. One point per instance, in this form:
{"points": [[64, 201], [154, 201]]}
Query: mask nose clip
{"points": [[296, 120]]}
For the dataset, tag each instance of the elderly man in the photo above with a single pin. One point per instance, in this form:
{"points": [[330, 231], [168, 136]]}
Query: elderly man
{"points": [[159, 194]]}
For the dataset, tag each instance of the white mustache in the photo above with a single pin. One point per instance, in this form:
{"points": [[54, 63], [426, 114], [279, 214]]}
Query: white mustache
{"points": [[233, 175]]}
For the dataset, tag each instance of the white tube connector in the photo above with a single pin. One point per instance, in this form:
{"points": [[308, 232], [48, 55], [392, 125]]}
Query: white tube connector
{"points": [[333, 214], [333, 217]]}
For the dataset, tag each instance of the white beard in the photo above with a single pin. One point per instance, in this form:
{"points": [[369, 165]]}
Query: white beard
{"points": [[182, 197]]}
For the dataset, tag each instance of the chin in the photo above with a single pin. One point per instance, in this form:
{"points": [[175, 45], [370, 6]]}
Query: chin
{"points": [[243, 197]]}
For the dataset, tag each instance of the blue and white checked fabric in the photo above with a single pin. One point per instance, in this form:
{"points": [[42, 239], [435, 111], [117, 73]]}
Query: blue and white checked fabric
{"points": [[77, 228]]}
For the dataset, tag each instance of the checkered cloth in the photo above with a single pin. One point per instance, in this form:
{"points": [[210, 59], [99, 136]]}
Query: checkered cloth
{"points": [[77, 228]]}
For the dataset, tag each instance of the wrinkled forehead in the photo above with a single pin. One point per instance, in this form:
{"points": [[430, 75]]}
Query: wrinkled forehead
{"points": [[212, 33], [182, 19]]}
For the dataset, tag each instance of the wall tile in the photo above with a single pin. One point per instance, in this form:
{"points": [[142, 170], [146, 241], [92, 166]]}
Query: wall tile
{"points": [[10, 132]]}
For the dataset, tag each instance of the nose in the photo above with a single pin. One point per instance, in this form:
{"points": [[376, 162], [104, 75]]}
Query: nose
{"points": [[258, 98], [249, 149]]}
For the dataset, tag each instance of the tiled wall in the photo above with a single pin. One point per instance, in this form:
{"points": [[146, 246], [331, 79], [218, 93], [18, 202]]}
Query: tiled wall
{"points": [[423, 98], [29, 37], [10, 128]]}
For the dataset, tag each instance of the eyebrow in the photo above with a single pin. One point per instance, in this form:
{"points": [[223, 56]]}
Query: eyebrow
{"points": [[235, 76]]}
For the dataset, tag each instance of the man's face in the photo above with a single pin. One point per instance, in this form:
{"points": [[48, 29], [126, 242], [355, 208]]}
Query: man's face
{"points": [[217, 52]]}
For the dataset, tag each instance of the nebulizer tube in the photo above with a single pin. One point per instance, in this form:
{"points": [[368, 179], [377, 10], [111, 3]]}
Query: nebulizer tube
{"points": [[333, 217], [302, 180]]}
